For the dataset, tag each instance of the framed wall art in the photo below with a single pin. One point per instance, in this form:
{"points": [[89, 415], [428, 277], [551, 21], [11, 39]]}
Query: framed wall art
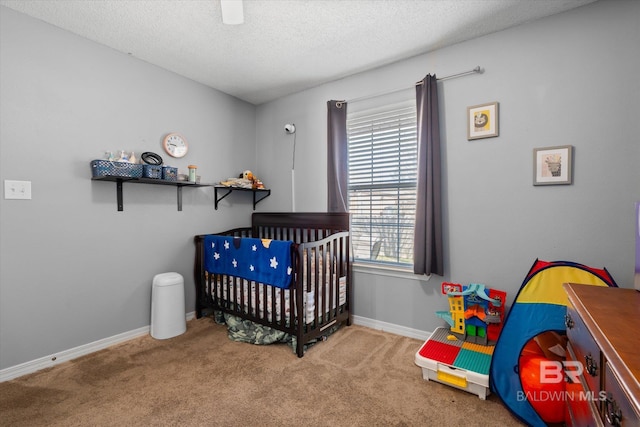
{"points": [[482, 121], [552, 165]]}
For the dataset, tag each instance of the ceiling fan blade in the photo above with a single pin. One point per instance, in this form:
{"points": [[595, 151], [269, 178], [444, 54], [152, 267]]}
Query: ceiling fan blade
{"points": [[232, 12]]}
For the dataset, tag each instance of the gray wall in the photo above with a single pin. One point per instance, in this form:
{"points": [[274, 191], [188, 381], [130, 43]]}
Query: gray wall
{"points": [[570, 79], [73, 269]]}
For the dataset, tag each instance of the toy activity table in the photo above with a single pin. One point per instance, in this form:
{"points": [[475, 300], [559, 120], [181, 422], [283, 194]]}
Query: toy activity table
{"points": [[461, 364]]}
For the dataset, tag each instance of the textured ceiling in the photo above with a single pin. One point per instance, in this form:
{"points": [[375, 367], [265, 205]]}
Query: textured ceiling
{"points": [[284, 46]]}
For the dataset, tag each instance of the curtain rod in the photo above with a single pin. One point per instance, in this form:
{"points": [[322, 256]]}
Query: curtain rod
{"points": [[464, 73], [476, 70]]}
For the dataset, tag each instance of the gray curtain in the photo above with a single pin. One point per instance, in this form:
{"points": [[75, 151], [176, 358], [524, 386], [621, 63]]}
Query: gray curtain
{"points": [[337, 156], [428, 252]]}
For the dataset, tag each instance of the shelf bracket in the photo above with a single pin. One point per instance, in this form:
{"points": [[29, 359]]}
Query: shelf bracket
{"points": [[219, 199], [119, 195], [255, 202], [229, 190]]}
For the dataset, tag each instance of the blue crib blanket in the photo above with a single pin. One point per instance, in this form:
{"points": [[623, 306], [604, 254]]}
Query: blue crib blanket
{"points": [[262, 260]]}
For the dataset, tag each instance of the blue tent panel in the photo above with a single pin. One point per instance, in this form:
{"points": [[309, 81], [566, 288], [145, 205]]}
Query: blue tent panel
{"points": [[539, 306]]}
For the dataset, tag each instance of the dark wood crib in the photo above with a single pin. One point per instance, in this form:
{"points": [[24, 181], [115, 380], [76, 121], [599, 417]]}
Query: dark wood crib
{"points": [[319, 295]]}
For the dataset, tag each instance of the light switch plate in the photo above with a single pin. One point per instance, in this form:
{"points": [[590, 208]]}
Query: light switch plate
{"points": [[17, 189]]}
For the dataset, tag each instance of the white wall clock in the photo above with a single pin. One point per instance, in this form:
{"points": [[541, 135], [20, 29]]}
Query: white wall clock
{"points": [[175, 145]]}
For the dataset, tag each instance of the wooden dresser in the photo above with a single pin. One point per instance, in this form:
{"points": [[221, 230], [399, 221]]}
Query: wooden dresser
{"points": [[603, 330]]}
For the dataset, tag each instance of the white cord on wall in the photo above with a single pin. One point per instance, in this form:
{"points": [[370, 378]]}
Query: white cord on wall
{"points": [[291, 129], [293, 190]]}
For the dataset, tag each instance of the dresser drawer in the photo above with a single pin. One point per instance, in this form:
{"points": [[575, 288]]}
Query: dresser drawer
{"points": [[586, 350], [609, 314], [582, 404], [617, 409]]}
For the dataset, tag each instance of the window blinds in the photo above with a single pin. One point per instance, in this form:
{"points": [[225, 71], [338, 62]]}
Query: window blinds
{"points": [[382, 183]]}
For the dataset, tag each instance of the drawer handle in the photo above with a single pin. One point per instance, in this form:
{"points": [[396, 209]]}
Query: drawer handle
{"points": [[592, 366], [568, 322], [612, 412]]}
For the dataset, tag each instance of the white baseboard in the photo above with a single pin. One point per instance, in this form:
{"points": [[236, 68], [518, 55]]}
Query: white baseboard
{"points": [[391, 328], [66, 355]]}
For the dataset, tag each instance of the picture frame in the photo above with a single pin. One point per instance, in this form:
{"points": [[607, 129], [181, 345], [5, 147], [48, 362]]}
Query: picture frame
{"points": [[553, 165], [482, 121]]}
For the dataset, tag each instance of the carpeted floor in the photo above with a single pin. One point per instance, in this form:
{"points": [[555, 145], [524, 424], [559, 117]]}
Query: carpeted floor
{"points": [[358, 377]]}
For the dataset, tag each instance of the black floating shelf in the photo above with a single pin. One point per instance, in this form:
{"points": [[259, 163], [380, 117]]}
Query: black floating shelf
{"points": [[262, 193], [120, 179]]}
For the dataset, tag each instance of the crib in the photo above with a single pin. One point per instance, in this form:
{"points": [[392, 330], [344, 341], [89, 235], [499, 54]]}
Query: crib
{"points": [[318, 298]]}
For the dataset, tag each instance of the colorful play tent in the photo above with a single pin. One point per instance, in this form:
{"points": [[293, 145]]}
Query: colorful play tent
{"points": [[540, 306]]}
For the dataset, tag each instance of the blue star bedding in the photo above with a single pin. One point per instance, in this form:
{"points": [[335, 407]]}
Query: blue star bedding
{"points": [[263, 263], [261, 260]]}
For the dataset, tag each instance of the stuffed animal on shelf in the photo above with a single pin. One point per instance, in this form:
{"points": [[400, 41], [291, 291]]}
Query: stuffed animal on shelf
{"points": [[254, 180]]}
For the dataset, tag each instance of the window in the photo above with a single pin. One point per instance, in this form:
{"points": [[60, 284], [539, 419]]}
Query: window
{"points": [[383, 163]]}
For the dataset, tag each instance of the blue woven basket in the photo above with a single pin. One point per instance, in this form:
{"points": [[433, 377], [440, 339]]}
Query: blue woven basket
{"points": [[152, 171], [169, 173], [108, 168]]}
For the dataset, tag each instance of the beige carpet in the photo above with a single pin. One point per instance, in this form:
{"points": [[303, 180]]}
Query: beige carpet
{"points": [[358, 377]]}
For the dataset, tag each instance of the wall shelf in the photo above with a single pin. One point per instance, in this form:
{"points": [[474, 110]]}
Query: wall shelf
{"points": [[120, 179], [264, 192]]}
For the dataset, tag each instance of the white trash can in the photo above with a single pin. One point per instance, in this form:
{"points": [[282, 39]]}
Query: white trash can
{"points": [[168, 317]]}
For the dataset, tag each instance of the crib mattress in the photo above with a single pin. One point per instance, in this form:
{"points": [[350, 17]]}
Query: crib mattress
{"points": [[257, 301]]}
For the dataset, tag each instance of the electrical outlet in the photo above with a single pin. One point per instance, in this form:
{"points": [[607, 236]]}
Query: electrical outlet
{"points": [[17, 189]]}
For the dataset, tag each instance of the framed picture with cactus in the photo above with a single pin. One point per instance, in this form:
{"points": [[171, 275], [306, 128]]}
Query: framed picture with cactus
{"points": [[553, 165]]}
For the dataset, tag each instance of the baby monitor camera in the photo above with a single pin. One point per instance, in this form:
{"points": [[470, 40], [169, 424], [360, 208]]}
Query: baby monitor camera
{"points": [[289, 128]]}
